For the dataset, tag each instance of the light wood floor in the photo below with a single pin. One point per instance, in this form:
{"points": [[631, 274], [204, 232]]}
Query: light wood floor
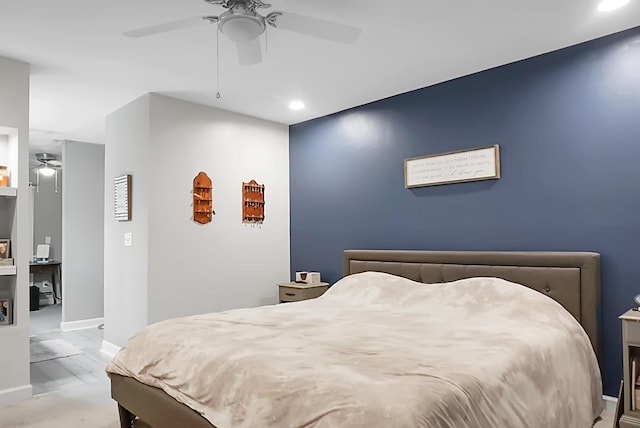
{"points": [[74, 371], [68, 392], [70, 372], [86, 406], [46, 319]]}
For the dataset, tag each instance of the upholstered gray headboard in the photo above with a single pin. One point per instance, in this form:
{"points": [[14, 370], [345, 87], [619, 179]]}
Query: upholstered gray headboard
{"points": [[570, 278]]}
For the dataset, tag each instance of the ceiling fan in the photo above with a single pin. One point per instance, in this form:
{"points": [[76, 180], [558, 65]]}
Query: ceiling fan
{"points": [[242, 24], [48, 163]]}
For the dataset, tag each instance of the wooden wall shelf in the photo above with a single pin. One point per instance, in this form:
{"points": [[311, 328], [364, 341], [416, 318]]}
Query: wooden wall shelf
{"points": [[202, 198], [252, 202]]}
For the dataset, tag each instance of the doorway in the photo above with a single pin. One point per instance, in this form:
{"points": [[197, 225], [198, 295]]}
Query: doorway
{"points": [[45, 279]]}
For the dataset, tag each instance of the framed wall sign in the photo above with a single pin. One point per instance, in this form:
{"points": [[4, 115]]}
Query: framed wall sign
{"points": [[482, 163], [122, 197]]}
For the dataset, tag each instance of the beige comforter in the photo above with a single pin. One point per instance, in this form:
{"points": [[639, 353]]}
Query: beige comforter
{"points": [[379, 351]]}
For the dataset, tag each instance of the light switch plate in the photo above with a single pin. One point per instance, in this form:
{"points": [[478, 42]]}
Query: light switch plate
{"points": [[128, 239], [47, 240]]}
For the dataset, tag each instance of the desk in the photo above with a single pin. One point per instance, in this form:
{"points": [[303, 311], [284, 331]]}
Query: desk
{"points": [[54, 268]]}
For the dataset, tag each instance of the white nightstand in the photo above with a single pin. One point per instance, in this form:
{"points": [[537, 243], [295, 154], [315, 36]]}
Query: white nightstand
{"points": [[296, 292]]}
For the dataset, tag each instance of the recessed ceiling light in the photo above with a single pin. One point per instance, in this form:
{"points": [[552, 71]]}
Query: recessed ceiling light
{"points": [[296, 105], [609, 5]]}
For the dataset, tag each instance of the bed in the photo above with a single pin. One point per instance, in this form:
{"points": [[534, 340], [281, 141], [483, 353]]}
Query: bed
{"points": [[571, 279]]}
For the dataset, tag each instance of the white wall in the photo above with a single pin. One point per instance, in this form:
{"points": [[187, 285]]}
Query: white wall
{"points": [[224, 264], [127, 151], [83, 233], [14, 340], [194, 268]]}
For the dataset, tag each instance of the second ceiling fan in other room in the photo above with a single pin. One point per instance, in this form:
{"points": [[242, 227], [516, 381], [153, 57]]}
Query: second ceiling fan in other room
{"points": [[243, 25]]}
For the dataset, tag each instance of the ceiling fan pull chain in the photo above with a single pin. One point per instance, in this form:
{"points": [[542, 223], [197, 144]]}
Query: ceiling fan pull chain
{"points": [[217, 63]]}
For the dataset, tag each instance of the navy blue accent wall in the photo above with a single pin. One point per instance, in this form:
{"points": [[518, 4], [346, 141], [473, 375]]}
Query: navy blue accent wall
{"points": [[568, 126]]}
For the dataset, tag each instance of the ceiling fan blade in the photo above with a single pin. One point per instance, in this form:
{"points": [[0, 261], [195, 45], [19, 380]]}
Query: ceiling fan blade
{"points": [[317, 27], [166, 27], [249, 53]]}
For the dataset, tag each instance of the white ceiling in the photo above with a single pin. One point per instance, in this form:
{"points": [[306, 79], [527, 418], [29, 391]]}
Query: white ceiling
{"points": [[83, 68]]}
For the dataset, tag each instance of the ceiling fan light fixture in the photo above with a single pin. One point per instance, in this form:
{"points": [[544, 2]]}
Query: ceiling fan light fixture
{"points": [[296, 105], [241, 26], [47, 160], [47, 171], [609, 5]]}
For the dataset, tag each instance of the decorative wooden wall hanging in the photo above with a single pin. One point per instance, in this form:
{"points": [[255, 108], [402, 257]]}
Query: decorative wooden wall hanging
{"points": [[252, 202], [202, 198]]}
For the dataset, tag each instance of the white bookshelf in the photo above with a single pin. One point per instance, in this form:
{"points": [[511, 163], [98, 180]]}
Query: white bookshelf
{"points": [[9, 284], [14, 225]]}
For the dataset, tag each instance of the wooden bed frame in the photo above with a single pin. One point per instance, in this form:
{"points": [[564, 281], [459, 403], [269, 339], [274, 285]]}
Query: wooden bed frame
{"points": [[571, 278]]}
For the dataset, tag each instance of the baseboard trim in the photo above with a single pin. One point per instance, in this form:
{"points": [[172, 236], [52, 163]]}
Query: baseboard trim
{"points": [[81, 324], [109, 349], [13, 395]]}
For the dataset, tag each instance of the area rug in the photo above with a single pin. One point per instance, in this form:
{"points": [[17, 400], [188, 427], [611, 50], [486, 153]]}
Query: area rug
{"points": [[51, 349]]}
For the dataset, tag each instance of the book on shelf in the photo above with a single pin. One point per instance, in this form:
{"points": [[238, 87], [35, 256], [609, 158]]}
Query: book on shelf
{"points": [[635, 382], [636, 385], [6, 262], [632, 404]]}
